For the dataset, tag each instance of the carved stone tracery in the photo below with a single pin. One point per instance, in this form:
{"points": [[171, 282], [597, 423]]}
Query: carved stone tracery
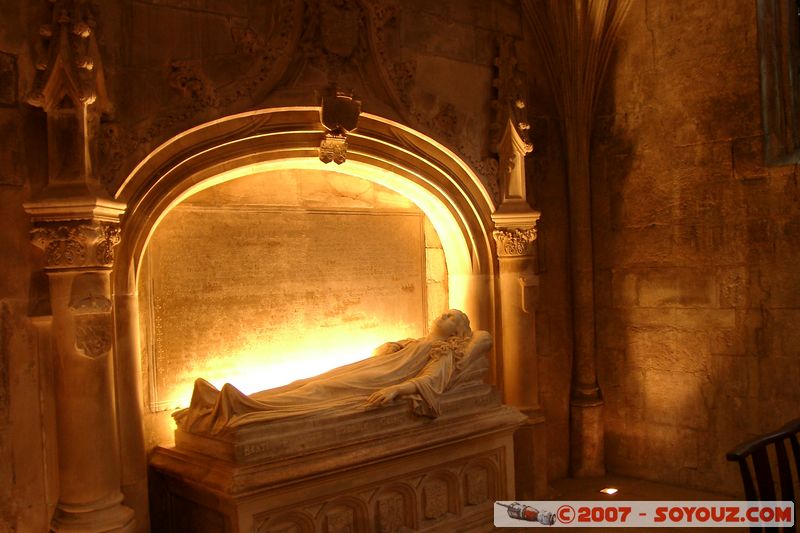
{"points": [[340, 38], [264, 53]]}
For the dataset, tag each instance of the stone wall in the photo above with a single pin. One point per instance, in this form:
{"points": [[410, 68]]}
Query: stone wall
{"points": [[23, 484], [696, 275]]}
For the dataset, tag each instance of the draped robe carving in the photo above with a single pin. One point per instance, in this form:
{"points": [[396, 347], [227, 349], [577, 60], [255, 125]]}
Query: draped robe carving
{"points": [[451, 355]]}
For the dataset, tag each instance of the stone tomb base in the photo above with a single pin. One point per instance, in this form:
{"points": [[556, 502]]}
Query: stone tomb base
{"points": [[382, 470]]}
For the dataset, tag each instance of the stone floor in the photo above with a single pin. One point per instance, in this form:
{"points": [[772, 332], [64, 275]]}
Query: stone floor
{"points": [[587, 489]]}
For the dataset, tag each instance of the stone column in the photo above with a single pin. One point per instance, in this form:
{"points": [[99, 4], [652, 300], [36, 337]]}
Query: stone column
{"points": [[515, 235], [78, 258], [133, 457], [76, 224], [577, 39], [518, 294]]}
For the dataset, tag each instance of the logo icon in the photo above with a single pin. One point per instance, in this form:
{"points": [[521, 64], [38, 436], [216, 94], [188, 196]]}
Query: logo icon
{"points": [[517, 511]]}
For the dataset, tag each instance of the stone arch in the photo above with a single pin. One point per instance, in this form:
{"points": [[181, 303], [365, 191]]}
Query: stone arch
{"points": [[387, 152], [442, 185]]}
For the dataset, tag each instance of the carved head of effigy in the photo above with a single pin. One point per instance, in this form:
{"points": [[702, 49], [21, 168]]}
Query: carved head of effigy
{"points": [[452, 323]]}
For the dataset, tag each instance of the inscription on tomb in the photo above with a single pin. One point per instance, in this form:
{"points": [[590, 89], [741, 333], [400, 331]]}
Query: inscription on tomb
{"points": [[254, 290]]}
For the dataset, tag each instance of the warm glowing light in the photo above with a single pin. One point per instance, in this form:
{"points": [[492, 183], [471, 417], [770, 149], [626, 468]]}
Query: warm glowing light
{"points": [[444, 216], [609, 490], [262, 366]]}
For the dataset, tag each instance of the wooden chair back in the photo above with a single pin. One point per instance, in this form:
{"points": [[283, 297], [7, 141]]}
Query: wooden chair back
{"points": [[776, 452]]}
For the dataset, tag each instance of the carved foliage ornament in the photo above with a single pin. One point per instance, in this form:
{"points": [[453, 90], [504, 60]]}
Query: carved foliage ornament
{"points": [[77, 244], [109, 237], [63, 246], [515, 241]]}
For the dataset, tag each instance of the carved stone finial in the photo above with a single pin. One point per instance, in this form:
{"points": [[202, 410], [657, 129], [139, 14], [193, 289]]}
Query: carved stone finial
{"points": [[510, 142], [339, 115], [509, 106], [515, 242], [70, 65]]}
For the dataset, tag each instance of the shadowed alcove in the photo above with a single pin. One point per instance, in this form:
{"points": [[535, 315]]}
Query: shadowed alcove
{"points": [[280, 275], [246, 259]]}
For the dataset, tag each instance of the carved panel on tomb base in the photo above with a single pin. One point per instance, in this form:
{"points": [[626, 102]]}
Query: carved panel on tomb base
{"points": [[480, 482], [434, 499], [340, 521], [343, 515], [438, 475], [394, 506], [291, 528], [439, 495], [395, 509]]}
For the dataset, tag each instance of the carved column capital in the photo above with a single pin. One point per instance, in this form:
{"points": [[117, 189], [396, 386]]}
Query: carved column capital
{"points": [[77, 243], [515, 242]]}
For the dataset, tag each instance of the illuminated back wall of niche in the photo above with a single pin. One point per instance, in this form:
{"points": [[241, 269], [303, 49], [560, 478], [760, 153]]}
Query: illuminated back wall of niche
{"points": [[281, 275]]}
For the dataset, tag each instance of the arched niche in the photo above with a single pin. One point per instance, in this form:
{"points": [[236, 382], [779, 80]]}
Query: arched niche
{"points": [[380, 150]]}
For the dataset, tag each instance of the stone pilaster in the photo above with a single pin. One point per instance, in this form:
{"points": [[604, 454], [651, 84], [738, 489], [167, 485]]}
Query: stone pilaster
{"points": [[78, 256], [76, 225], [515, 236], [518, 294]]}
